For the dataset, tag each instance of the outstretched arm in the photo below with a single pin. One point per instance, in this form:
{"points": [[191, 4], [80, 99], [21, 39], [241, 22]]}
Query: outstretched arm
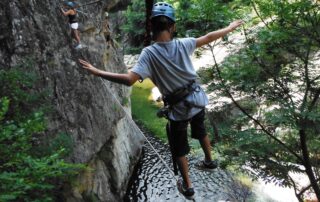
{"points": [[128, 79], [66, 13], [212, 36]]}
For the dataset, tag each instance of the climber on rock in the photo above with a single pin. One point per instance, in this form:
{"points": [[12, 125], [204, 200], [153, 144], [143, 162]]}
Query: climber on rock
{"points": [[167, 63], [72, 14], [106, 30]]}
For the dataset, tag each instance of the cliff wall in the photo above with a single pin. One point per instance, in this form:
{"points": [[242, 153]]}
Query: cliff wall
{"points": [[87, 108]]}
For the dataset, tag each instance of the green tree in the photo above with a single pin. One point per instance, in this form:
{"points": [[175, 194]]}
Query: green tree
{"points": [[135, 25], [202, 16], [276, 73], [193, 18], [27, 173]]}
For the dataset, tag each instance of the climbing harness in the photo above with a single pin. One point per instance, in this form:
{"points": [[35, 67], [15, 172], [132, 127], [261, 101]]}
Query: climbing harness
{"points": [[179, 94], [161, 159]]}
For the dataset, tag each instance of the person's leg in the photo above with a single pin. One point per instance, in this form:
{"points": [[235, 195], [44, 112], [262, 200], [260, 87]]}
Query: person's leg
{"points": [[72, 34], [199, 132], [77, 36], [180, 147], [206, 147], [75, 32], [184, 170]]}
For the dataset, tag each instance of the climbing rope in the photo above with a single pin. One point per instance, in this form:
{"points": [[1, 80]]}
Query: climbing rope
{"points": [[80, 5], [130, 119], [86, 14], [93, 2], [96, 21]]}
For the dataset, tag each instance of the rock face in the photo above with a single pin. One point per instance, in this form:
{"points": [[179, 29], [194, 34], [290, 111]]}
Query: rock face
{"points": [[94, 112]]}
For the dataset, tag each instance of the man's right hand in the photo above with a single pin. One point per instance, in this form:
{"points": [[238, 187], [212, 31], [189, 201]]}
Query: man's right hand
{"points": [[86, 65]]}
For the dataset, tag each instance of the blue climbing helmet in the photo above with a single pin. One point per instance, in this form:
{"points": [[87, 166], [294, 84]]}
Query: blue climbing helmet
{"points": [[70, 4], [163, 9]]}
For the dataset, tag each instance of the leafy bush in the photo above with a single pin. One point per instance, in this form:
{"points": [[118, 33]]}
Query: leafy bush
{"points": [[27, 175], [135, 26]]}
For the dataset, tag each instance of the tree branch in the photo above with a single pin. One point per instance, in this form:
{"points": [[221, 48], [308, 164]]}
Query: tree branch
{"points": [[306, 161], [306, 188], [295, 189], [249, 116], [307, 80], [258, 14], [314, 100], [282, 86]]}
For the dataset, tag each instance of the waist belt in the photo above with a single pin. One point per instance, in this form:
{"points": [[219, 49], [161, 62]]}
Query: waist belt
{"points": [[179, 94]]}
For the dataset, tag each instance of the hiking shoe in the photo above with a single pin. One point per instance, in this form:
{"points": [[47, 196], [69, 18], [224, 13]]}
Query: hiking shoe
{"points": [[207, 166], [186, 192], [79, 46]]}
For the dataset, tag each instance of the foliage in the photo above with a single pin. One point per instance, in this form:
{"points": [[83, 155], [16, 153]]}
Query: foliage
{"points": [[13, 85], [26, 172], [201, 17], [278, 69], [135, 26]]}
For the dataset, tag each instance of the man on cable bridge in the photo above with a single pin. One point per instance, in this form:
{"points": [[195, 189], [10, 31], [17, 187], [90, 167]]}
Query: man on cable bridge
{"points": [[167, 63]]}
